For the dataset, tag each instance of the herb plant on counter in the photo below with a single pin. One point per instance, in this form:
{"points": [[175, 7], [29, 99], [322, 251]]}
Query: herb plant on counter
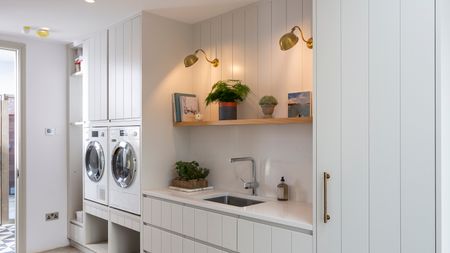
{"points": [[190, 170]]}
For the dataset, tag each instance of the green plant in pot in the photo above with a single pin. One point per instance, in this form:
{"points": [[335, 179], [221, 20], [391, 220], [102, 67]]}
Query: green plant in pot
{"points": [[268, 104], [190, 175], [227, 94]]}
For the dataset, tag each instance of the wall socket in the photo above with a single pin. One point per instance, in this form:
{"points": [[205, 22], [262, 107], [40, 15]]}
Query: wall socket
{"points": [[51, 216]]}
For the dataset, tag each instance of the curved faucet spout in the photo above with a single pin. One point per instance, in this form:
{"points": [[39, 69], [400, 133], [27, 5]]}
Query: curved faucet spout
{"points": [[248, 185]]}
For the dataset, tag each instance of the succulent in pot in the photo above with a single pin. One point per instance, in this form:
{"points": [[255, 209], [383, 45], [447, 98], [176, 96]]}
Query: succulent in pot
{"points": [[227, 94], [190, 175], [268, 104]]}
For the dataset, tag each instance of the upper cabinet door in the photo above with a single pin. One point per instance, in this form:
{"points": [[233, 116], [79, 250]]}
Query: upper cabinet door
{"points": [[375, 126], [125, 70], [96, 79]]}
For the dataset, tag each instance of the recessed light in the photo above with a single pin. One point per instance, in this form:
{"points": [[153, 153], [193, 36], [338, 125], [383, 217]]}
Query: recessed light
{"points": [[90, 1]]}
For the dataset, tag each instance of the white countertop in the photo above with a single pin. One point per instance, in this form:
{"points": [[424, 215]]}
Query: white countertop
{"points": [[289, 213]]}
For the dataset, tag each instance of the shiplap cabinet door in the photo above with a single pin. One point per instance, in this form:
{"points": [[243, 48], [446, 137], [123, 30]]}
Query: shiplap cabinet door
{"points": [[95, 50], [125, 70], [375, 126]]}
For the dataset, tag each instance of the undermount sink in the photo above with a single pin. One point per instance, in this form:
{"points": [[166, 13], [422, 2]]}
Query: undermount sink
{"points": [[234, 201]]}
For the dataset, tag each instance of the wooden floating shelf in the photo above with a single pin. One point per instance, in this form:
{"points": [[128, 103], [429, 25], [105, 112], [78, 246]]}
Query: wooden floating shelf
{"points": [[242, 122]]}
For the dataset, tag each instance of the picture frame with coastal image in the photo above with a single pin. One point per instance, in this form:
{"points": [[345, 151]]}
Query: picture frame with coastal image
{"points": [[299, 104]]}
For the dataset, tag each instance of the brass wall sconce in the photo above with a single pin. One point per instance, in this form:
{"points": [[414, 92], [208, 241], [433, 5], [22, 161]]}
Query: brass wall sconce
{"points": [[193, 58], [289, 40]]}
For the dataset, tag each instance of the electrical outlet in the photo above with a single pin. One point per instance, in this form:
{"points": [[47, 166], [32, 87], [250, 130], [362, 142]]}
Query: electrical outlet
{"points": [[51, 216]]}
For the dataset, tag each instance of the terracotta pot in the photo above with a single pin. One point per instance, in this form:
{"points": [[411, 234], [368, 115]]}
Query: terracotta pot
{"points": [[267, 110], [227, 110]]}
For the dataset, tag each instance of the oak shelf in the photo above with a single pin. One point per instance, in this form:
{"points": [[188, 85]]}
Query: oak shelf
{"points": [[241, 122]]}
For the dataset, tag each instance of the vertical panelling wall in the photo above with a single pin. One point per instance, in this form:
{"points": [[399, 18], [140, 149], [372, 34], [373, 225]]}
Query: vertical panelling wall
{"points": [[374, 77], [246, 43]]}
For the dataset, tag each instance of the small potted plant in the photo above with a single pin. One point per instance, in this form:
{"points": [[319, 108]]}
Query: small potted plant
{"points": [[268, 104], [190, 175], [228, 94]]}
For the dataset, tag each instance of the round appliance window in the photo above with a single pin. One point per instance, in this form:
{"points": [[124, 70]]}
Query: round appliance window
{"points": [[124, 164], [94, 161]]}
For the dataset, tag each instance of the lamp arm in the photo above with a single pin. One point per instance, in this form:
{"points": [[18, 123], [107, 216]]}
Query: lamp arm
{"points": [[206, 56], [301, 33]]}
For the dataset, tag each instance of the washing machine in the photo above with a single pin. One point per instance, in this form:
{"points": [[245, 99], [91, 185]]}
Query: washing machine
{"points": [[96, 164], [125, 183]]}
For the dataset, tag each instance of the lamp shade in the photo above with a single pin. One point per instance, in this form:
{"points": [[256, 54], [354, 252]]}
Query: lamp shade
{"points": [[43, 32], [288, 40], [190, 60]]}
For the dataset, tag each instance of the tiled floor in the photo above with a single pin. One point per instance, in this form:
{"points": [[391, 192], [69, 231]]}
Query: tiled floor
{"points": [[7, 238], [64, 250]]}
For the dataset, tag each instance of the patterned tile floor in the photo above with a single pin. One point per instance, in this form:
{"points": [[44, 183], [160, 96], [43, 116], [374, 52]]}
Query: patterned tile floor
{"points": [[8, 238]]}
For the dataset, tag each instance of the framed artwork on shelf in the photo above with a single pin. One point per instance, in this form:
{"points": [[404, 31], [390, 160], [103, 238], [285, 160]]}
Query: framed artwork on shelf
{"points": [[299, 104], [185, 107]]}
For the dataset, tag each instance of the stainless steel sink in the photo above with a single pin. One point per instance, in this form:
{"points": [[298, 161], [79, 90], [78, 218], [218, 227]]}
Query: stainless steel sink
{"points": [[234, 201]]}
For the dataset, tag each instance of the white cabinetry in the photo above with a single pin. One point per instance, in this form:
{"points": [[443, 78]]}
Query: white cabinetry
{"points": [[375, 125], [174, 227], [95, 77], [125, 70]]}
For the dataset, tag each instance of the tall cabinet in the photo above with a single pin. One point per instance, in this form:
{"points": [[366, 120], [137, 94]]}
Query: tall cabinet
{"points": [[125, 69], [95, 77], [375, 126]]}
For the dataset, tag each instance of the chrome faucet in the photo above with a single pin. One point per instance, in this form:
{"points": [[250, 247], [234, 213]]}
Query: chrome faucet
{"points": [[248, 185]]}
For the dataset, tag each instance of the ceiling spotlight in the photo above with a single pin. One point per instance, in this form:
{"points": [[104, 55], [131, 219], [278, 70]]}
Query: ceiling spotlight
{"points": [[193, 58], [289, 40], [90, 1], [43, 32]]}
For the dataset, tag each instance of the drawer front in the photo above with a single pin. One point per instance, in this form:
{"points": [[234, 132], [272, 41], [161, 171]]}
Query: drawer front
{"points": [[214, 231], [147, 238], [177, 218], [229, 232], [147, 210], [188, 221], [201, 225], [156, 212], [166, 215]]}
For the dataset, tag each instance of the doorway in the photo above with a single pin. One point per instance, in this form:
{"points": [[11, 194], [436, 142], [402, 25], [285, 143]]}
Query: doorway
{"points": [[9, 86]]}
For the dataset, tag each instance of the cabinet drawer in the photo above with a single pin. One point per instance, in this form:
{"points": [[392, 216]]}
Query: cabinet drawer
{"points": [[281, 240], [156, 212], [166, 242], [301, 243], [177, 244], [177, 218], [76, 233], [245, 239], [147, 238], [263, 238], [201, 225], [156, 238], [200, 248], [147, 210], [214, 230], [229, 232], [188, 246], [166, 215], [188, 221]]}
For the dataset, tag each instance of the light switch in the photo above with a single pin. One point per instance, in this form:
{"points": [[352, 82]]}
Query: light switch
{"points": [[50, 131]]}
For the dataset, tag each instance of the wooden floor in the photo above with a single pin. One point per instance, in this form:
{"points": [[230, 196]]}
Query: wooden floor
{"points": [[64, 250]]}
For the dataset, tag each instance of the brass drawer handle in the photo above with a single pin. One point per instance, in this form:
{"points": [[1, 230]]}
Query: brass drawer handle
{"points": [[326, 216]]}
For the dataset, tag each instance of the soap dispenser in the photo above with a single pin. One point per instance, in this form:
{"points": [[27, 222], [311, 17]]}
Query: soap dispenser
{"points": [[282, 190]]}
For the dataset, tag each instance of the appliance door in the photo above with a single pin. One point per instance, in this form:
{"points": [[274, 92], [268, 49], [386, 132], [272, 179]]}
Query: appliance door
{"points": [[124, 164], [94, 161]]}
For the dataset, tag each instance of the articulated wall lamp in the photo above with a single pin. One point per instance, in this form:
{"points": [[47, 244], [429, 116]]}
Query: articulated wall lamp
{"points": [[289, 40], [193, 58]]}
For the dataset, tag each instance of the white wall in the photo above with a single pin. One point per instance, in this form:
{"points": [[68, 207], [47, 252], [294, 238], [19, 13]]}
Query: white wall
{"points": [[46, 185], [246, 43], [443, 124], [8, 75], [162, 144]]}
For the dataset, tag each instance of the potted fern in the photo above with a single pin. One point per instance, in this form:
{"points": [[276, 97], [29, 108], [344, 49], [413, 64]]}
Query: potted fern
{"points": [[190, 175], [268, 104], [227, 94]]}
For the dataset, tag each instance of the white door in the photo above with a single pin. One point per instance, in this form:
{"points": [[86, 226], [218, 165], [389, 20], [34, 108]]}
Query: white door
{"points": [[375, 126]]}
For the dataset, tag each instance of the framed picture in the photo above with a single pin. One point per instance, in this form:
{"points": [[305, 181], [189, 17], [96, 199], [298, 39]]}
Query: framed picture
{"points": [[299, 104], [185, 107]]}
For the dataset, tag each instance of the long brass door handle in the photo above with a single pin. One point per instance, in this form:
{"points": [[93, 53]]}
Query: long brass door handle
{"points": [[326, 216]]}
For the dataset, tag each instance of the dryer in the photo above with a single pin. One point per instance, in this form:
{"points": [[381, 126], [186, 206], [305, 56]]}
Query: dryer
{"points": [[125, 182], [96, 165]]}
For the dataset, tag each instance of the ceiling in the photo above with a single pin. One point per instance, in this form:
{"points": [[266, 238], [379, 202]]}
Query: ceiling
{"points": [[71, 20]]}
